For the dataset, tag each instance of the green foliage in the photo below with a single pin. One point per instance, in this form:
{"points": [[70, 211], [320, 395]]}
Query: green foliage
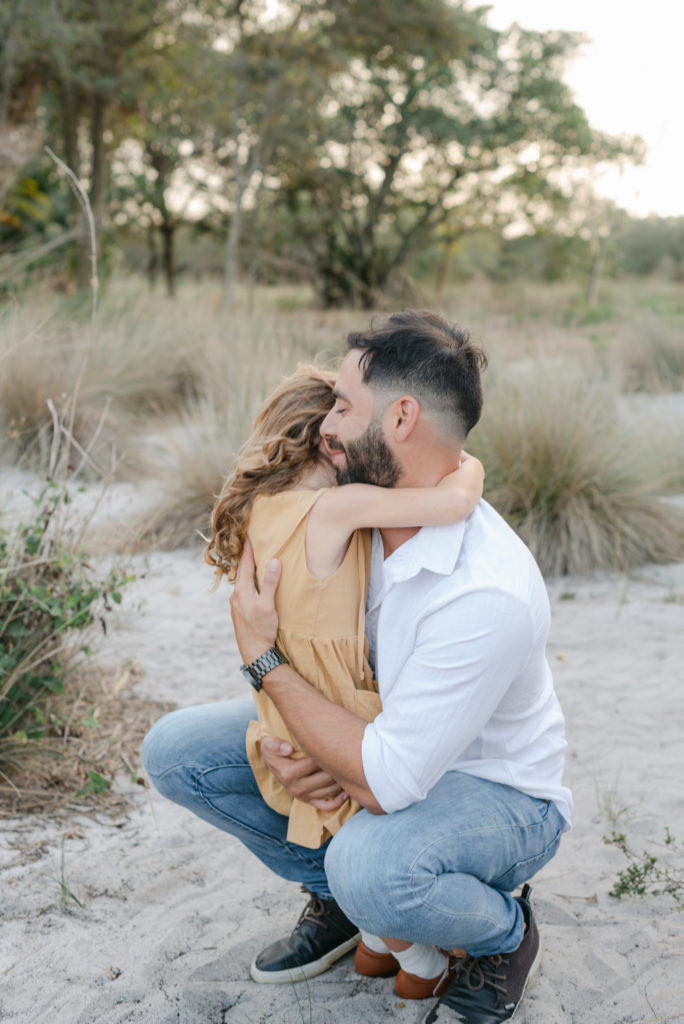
{"points": [[96, 783], [25, 204], [652, 245], [437, 121], [646, 874], [48, 594], [367, 128]]}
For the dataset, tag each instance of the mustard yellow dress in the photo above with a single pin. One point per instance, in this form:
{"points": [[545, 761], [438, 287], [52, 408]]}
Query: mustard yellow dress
{"points": [[321, 633]]}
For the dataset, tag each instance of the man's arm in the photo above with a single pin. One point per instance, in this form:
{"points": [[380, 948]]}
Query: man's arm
{"points": [[462, 657], [329, 734]]}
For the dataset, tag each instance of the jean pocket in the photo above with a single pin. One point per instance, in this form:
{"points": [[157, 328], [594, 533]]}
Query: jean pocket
{"points": [[525, 869]]}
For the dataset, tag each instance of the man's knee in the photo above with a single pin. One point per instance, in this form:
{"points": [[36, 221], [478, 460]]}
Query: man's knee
{"points": [[201, 737], [162, 758], [355, 869], [158, 746]]}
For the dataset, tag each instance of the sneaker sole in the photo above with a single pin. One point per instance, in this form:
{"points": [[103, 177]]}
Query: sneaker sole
{"points": [[305, 971], [530, 975]]}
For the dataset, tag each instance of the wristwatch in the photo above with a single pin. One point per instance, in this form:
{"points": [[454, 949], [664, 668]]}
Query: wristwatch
{"points": [[255, 672]]}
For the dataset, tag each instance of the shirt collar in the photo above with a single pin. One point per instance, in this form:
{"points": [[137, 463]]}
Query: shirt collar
{"points": [[435, 548]]}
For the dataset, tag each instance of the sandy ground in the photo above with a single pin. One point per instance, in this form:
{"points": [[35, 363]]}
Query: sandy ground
{"points": [[173, 911]]}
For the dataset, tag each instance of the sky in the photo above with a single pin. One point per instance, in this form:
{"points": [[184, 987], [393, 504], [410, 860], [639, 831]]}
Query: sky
{"points": [[629, 79]]}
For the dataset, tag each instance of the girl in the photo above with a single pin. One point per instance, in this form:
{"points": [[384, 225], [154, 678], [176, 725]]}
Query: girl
{"points": [[282, 494]]}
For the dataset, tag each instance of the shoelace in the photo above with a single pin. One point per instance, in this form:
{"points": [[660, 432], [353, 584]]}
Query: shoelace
{"points": [[314, 910], [448, 970], [484, 970]]}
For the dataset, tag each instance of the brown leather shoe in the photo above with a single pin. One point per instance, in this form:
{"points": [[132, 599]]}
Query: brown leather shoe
{"points": [[374, 965], [410, 986]]}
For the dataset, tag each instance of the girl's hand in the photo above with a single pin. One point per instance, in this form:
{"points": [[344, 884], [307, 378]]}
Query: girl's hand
{"points": [[302, 778], [255, 619], [469, 477]]}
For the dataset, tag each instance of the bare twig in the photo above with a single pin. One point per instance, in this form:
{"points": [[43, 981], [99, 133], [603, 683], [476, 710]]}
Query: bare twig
{"points": [[56, 433], [91, 444], [85, 203]]}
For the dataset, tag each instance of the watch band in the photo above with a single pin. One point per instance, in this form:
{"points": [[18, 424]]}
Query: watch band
{"points": [[266, 662]]}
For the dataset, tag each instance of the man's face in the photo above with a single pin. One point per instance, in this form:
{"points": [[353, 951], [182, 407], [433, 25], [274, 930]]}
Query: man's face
{"points": [[354, 438]]}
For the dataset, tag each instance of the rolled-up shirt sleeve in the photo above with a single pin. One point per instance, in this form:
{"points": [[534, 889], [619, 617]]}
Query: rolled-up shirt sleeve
{"points": [[465, 656]]}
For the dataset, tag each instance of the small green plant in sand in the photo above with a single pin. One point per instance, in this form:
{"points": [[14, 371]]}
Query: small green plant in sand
{"points": [[66, 896], [648, 873], [48, 596]]}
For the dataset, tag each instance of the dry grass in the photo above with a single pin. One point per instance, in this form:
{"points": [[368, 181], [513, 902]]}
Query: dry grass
{"points": [[651, 354], [96, 726], [183, 382], [579, 480], [661, 421], [144, 358], [191, 459], [580, 487], [193, 453]]}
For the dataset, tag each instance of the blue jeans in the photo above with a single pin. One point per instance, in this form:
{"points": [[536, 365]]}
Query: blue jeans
{"points": [[440, 872]]}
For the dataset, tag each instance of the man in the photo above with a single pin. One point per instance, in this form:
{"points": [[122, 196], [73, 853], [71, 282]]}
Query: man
{"points": [[460, 774]]}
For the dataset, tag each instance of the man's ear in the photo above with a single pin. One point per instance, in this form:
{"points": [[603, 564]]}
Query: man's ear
{"points": [[404, 413]]}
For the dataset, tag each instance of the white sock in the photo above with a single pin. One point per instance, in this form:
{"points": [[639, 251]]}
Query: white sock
{"points": [[374, 942], [423, 961]]}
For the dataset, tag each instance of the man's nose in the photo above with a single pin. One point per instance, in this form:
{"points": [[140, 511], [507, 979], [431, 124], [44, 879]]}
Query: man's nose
{"points": [[325, 430]]}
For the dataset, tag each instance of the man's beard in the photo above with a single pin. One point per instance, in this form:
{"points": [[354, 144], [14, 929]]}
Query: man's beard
{"points": [[369, 460]]}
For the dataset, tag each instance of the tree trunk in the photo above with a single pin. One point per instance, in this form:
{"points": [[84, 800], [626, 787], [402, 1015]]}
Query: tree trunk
{"points": [[72, 160], [98, 180], [444, 263], [7, 66], [168, 230], [232, 245], [596, 271], [152, 256]]}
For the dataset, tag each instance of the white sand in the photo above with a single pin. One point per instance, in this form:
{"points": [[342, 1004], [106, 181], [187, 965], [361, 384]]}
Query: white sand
{"points": [[173, 910]]}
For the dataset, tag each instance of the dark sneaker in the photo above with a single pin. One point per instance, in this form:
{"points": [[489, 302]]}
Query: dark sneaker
{"points": [[488, 989], [321, 936]]}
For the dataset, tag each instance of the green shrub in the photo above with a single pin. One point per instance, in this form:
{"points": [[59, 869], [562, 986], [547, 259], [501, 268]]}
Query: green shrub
{"points": [[48, 597], [647, 874], [582, 489]]}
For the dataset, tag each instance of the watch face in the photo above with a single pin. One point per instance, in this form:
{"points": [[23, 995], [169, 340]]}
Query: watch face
{"points": [[252, 680]]}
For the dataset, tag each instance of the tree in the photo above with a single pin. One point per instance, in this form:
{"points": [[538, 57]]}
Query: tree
{"points": [[83, 58], [164, 160], [437, 119]]}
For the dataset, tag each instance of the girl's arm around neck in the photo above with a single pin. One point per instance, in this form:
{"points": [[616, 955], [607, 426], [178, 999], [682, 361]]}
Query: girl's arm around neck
{"points": [[341, 510]]}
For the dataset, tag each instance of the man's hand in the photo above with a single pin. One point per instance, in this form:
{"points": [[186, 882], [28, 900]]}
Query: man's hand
{"points": [[255, 619], [301, 777]]}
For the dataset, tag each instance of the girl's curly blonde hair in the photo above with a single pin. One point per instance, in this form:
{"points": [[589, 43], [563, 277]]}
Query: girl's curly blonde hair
{"points": [[283, 444]]}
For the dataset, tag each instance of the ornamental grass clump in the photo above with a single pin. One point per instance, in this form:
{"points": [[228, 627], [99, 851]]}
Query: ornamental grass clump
{"points": [[580, 486], [651, 354]]}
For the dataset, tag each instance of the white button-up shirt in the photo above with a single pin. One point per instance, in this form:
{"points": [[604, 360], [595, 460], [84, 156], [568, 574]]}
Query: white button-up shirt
{"points": [[457, 619]]}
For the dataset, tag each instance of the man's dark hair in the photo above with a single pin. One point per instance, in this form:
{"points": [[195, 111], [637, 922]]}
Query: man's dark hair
{"points": [[421, 354]]}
